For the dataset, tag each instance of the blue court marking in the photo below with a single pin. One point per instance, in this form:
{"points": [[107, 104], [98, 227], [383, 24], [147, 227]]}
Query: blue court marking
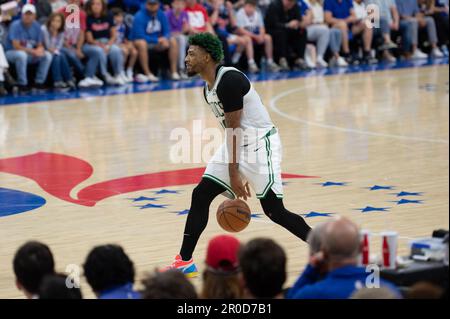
{"points": [[15, 202], [173, 85]]}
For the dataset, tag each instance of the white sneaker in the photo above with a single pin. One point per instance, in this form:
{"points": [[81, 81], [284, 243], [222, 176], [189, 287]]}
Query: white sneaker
{"points": [[141, 78], [152, 78], [97, 80], [183, 75], [273, 67], [175, 77], [129, 75], [124, 78], [309, 62], [437, 53], [284, 64], [321, 63], [110, 80], [341, 62], [419, 55], [120, 79], [87, 82], [253, 68]]}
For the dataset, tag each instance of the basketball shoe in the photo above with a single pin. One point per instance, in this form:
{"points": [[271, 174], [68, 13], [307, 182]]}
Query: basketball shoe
{"points": [[188, 268]]}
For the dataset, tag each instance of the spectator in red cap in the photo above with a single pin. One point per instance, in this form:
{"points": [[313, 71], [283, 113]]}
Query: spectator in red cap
{"points": [[221, 276]]}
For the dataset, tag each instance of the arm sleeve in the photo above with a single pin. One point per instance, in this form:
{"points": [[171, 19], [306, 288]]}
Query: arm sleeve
{"points": [[231, 90]]}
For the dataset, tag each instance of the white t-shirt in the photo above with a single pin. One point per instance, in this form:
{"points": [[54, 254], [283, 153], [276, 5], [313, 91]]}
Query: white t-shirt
{"points": [[251, 23], [317, 11]]}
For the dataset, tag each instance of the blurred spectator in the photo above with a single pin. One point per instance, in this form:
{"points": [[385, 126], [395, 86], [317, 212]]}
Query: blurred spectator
{"points": [[334, 37], [74, 34], [197, 17], [55, 287], [110, 273], [438, 9], [223, 20], [56, 5], [262, 6], [170, 284], [179, 26], [424, 290], [151, 31], [341, 14], [43, 10], [339, 256], [263, 268], [410, 14], [3, 69], [251, 24], [32, 262], [282, 22], [53, 32], [128, 50], [100, 43], [389, 22], [370, 293], [25, 46], [221, 276]]}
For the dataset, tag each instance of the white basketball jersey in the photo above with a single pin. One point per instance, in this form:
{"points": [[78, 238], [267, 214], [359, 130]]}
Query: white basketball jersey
{"points": [[255, 119]]}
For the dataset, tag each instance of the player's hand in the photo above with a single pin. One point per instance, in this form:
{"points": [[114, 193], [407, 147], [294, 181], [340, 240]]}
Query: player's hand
{"points": [[239, 188]]}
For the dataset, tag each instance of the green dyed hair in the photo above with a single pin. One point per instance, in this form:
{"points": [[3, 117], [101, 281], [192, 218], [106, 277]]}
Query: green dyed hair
{"points": [[210, 43]]}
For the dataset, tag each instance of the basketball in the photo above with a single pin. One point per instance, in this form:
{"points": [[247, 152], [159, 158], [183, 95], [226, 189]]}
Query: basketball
{"points": [[233, 215]]}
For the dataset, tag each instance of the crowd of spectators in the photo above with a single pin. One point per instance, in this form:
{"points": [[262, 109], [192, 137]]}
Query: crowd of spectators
{"points": [[67, 44]]}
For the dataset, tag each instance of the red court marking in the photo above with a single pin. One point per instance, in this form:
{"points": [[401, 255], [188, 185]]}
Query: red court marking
{"points": [[58, 174]]}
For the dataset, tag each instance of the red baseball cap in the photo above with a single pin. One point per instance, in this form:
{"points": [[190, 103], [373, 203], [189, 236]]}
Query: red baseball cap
{"points": [[222, 253]]}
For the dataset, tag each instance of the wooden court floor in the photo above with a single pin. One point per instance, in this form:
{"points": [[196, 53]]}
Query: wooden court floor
{"points": [[375, 146]]}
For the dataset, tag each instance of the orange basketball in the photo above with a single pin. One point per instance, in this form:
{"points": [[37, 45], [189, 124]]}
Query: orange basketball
{"points": [[233, 215]]}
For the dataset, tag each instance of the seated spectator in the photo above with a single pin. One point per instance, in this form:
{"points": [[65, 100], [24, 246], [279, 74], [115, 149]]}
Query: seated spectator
{"points": [[179, 26], [389, 22], [53, 32], [339, 255], [55, 287], [283, 23], [151, 31], [197, 18], [223, 20], [251, 23], [438, 10], [100, 44], [316, 33], [221, 276], [74, 35], [32, 262], [263, 269], [340, 14], [410, 14], [110, 273], [43, 10], [362, 17], [170, 284], [128, 50], [25, 46], [3, 69]]}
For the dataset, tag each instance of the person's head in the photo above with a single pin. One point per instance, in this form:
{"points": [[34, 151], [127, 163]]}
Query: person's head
{"points": [[117, 15], [289, 4], [341, 243], [76, 2], [56, 22], [374, 293], [250, 7], [28, 14], [220, 278], [108, 266], [55, 287], [31, 263], [263, 268], [179, 5], [315, 238], [191, 3], [424, 290], [205, 50], [152, 6], [170, 284], [96, 8]]}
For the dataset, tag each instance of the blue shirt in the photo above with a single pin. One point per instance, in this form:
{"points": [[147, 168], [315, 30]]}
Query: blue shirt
{"points": [[303, 7], [337, 284], [148, 27], [340, 9], [29, 37], [122, 292], [407, 8]]}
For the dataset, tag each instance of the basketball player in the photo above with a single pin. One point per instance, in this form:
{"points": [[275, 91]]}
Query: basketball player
{"points": [[239, 109]]}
